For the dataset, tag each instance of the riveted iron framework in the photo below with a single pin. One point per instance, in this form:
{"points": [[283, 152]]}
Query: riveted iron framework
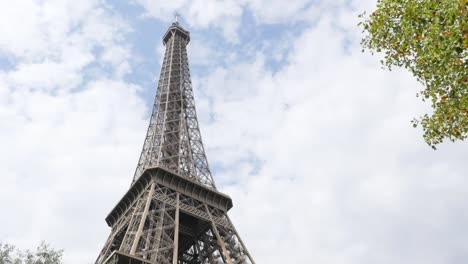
{"points": [[172, 212], [173, 140]]}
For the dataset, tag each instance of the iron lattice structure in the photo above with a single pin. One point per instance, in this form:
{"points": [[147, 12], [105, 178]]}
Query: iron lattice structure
{"points": [[172, 212]]}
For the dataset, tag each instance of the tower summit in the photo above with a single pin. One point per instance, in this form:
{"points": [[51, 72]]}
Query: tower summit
{"points": [[173, 213]]}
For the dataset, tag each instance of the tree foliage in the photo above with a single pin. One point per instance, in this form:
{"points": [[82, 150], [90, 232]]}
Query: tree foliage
{"points": [[430, 39], [44, 254]]}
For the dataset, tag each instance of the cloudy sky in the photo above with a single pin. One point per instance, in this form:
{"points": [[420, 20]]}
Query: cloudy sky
{"points": [[307, 134]]}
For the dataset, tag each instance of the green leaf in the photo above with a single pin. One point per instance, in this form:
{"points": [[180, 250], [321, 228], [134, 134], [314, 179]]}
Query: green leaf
{"points": [[430, 39]]}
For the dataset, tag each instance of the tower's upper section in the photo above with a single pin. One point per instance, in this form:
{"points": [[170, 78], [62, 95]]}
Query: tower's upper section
{"points": [[173, 140], [176, 29]]}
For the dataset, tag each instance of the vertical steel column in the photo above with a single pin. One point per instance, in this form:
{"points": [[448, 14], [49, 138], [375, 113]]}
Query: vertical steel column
{"points": [[163, 130], [225, 253], [158, 235], [129, 227], [142, 221], [176, 232]]}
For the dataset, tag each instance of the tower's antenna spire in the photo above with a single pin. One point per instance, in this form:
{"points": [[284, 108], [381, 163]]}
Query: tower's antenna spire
{"points": [[176, 15]]}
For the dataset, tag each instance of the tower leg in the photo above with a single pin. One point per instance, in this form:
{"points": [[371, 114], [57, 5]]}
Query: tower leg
{"points": [[224, 253], [176, 232], [142, 221]]}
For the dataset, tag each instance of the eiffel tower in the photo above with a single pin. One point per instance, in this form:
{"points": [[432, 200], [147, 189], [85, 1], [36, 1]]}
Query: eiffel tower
{"points": [[173, 212]]}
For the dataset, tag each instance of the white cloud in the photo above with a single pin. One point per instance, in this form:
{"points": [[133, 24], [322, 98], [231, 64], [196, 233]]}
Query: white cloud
{"points": [[226, 15], [223, 15], [61, 159], [201, 53], [48, 74], [118, 57], [35, 29], [276, 11], [343, 176], [65, 135]]}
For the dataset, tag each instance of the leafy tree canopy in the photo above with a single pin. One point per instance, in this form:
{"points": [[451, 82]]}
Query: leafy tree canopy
{"points": [[44, 254], [430, 39]]}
